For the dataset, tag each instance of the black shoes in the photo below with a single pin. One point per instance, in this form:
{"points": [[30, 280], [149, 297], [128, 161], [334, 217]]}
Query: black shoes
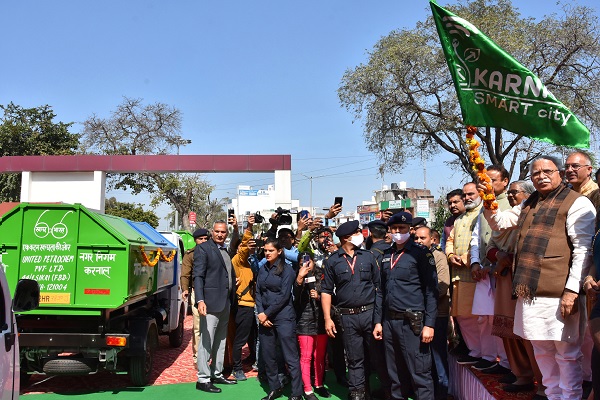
{"points": [[496, 370], [483, 365], [508, 378], [223, 381], [295, 398], [274, 394], [322, 391], [467, 359], [207, 387]]}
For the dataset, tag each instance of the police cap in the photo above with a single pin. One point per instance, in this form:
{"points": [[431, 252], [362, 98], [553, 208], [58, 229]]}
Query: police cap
{"points": [[377, 224], [418, 221], [347, 228], [200, 232], [402, 217]]}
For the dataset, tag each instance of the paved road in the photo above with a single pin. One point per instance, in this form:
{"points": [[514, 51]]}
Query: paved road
{"points": [[171, 366]]}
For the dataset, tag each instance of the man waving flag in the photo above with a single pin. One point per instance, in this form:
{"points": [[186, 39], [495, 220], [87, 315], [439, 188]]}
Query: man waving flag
{"points": [[495, 90]]}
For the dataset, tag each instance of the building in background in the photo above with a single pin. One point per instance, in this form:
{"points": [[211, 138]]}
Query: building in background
{"points": [[397, 197], [250, 200]]}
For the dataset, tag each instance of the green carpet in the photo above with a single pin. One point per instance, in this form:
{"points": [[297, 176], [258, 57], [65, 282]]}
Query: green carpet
{"points": [[250, 389]]}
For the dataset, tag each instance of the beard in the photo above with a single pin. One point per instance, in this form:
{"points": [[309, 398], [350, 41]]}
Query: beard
{"points": [[473, 204]]}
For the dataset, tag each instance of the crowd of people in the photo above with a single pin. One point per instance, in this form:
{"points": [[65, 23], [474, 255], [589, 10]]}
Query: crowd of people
{"points": [[502, 290]]}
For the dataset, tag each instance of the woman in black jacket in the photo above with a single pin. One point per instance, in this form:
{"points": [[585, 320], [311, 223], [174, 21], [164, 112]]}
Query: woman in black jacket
{"points": [[310, 326], [275, 312]]}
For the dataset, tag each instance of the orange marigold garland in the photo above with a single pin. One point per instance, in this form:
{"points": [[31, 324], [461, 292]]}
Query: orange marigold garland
{"points": [[489, 199], [167, 258], [159, 255]]}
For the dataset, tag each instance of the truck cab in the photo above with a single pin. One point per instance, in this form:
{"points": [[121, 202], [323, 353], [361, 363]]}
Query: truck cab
{"points": [[26, 298]]}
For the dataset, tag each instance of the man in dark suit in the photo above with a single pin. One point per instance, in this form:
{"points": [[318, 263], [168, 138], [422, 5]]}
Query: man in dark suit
{"points": [[214, 286]]}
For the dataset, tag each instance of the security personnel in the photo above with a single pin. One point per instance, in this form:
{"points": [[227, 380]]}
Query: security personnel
{"points": [[378, 231], [187, 266], [409, 308], [354, 275]]}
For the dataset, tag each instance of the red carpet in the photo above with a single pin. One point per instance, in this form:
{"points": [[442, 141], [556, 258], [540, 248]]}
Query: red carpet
{"points": [[495, 388]]}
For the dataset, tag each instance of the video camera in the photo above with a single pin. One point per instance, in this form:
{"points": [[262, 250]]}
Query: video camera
{"points": [[283, 217], [258, 219]]}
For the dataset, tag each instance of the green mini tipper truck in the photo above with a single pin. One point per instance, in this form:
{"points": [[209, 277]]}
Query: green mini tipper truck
{"points": [[108, 288]]}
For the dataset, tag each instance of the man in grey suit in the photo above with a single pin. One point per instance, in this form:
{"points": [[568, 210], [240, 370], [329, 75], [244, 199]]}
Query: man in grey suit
{"points": [[214, 286]]}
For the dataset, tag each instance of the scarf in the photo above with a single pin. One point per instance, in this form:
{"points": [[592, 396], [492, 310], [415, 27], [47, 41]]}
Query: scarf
{"points": [[529, 259]]}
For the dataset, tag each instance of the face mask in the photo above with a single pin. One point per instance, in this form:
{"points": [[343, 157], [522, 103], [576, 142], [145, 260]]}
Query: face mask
{"points": [[357, 240], [400, 237]]}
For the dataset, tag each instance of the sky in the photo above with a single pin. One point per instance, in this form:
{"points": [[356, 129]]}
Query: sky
{"points": [[250, 77]]}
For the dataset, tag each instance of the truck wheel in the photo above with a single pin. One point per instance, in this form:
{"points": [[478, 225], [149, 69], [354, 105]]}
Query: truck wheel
{"points": [[176, 336], [140, 367]]}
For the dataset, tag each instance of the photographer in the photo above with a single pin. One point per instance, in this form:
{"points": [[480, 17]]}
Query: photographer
{"points": [[244, 316], [318, 240], [278, 218]]}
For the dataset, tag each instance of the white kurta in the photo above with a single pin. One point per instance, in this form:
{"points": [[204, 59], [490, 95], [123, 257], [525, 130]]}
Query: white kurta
{"points": [[540, 319]]}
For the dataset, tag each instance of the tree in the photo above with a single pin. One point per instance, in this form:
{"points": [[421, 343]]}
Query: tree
{"points": [[185, 193], [31, 132], [440, 214], [406, 99], [135, 128], [131, 211]]}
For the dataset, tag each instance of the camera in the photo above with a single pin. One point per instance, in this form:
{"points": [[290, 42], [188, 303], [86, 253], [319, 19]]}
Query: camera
{"points": [[258, 219], [283, 217]]}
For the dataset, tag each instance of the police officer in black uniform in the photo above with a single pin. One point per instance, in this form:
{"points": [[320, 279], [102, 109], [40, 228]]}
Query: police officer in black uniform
{"points": [[354, 275], [409, 309], [378, 233]]}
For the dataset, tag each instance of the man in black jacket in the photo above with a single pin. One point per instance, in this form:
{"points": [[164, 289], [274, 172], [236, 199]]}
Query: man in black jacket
{"points": [[215, 287]]}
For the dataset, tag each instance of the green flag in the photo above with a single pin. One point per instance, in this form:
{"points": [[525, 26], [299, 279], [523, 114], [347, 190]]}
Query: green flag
{"points": [[495, 90]]}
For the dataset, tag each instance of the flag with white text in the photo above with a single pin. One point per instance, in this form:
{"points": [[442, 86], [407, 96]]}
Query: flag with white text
{"points": [[495, 90]]}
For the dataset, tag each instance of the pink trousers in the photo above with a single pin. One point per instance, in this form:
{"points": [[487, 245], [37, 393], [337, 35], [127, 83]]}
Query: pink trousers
{"points": [[312, 347]]}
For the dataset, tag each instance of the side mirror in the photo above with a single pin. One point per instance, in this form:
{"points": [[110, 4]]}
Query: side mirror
{"points": [[27, 295]]}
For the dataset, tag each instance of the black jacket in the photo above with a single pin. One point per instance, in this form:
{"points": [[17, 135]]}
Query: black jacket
{"points": [[211, 279], [309, 315]]}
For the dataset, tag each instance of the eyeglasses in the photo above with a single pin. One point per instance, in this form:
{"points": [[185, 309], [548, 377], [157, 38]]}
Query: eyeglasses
{"points": [[514, 192], [546, 172], [575, 167]]}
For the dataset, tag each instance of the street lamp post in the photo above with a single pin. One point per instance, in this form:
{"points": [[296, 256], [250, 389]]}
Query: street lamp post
{"points": [[179, 141], [311, 207]]}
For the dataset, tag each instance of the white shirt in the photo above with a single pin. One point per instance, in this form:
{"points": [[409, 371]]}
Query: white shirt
{"points": [[540, 318]]}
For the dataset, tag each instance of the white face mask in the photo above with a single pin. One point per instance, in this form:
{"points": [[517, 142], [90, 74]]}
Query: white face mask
{"points": [[357, 240], [400, 237]]}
